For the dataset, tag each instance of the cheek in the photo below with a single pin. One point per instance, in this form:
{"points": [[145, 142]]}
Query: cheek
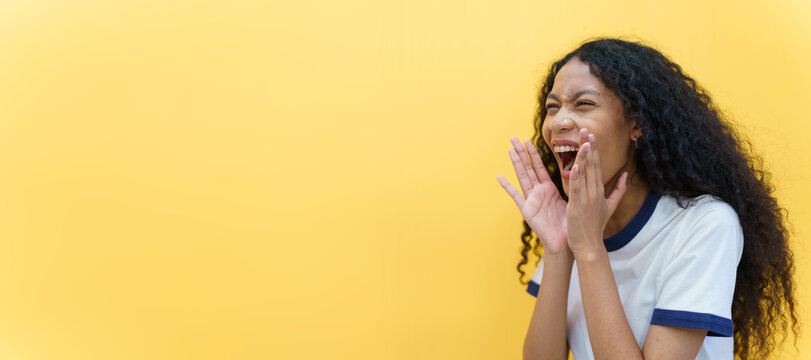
{"points": [[611, 160]]}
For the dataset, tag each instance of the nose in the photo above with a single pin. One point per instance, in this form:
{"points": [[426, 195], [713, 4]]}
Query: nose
{"points": [[561, 123]]}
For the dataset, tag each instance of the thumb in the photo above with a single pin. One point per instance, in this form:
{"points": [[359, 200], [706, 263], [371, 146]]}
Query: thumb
{"points": [[614, 199]]}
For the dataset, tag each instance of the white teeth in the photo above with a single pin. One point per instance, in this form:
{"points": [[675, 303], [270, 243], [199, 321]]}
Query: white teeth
{"points": [[568, 166], [565, 148]]}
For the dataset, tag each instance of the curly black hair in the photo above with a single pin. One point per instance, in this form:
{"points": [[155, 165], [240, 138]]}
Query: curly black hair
{"points": [[690, 148]]}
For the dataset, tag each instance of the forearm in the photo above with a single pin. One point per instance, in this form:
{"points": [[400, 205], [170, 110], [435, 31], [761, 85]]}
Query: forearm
{"points": [[546, 336], [609, 332]]}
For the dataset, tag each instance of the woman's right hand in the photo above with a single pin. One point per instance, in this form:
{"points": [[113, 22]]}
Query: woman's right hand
{"points": [[541, 205]]}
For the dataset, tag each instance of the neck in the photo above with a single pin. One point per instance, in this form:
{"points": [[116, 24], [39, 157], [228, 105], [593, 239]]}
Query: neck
{"points": [[629, 205]]}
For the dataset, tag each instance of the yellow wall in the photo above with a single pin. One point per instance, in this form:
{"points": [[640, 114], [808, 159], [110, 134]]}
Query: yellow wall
{"points": [[316, 180]]}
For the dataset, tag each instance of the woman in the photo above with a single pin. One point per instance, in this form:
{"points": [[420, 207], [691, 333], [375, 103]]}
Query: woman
{"points": [[660, 236]]}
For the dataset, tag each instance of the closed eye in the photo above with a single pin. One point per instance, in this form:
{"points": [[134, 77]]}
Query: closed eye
{"points": [[551, 106]]}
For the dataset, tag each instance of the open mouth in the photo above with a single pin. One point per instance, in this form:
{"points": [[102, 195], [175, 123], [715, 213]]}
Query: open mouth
{"points": [[567, 159]]}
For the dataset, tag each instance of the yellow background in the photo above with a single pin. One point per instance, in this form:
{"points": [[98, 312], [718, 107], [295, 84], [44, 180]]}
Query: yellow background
{"points": [[317, 180]]}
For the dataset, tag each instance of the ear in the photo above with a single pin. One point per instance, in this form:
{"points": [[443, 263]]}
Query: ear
{"points": [[636, 132]]}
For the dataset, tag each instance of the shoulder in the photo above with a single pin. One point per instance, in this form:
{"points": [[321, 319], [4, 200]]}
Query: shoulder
{"points": [[704, 209], [705, 223]]}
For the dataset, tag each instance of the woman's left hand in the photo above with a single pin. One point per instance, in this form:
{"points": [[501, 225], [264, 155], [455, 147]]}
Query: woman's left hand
{"points": [[588, 211]]}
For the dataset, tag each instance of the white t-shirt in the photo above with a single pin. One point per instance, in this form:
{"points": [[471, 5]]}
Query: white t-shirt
{"points": [[673, 267]]}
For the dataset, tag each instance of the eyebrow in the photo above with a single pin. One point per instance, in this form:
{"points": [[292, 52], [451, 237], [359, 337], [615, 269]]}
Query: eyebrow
{"points": [[577, 94]]}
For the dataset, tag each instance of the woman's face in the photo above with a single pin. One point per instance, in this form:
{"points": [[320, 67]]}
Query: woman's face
{"points": [[580, 100]]}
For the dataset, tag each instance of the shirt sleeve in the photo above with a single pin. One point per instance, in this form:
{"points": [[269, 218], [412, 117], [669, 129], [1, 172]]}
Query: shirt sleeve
{"points": [[535, 283], [696, 287]]}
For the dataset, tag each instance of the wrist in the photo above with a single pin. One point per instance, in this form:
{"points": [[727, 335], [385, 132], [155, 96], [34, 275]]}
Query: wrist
{"points": [[586, 247], [590, 254], [564, 257]]}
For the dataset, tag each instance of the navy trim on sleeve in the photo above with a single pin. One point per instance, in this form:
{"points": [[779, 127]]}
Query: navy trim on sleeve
{"points": [[627, 233], [533, 288], [715, 325]]}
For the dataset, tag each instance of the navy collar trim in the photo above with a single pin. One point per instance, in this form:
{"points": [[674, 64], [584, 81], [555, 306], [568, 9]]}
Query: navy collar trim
{"points": [[622, 238]]}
